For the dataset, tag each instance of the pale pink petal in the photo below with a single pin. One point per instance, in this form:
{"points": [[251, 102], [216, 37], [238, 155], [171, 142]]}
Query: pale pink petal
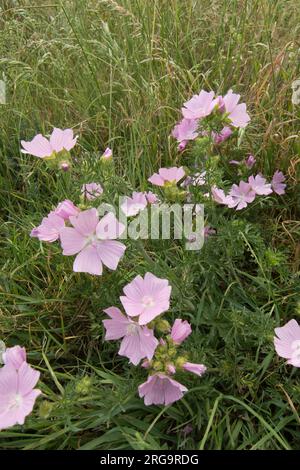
{"points": [[198, 369], [27, 378], [239, 116], [138, 345], [66, 209], [160, 389], [50, 228], [8, 379], [88, 261], [14, 356], [116, 327], [110, 252], [199, 106], [39, 147], [86, 221], [71, 241], [62, 139], [181, 329], [156, 180], [230, 101]]}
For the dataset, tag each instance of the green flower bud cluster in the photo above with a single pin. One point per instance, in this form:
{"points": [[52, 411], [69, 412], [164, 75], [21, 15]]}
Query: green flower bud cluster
{"points": [[166, 359]]}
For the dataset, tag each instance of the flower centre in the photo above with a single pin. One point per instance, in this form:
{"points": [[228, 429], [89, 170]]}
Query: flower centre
{"points": [[147, 301], [15, 402], [91, 239], [132, 329]]}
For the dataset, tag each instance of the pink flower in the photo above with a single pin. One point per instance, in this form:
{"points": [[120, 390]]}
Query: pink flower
{"points": [[133, 205], [160, 389], [259, 185], [219, 196], [94, 241], [151, 197], [91, 191], [222, 136], [17, 393], [50, 228], [146, 298], [107, 155], [185, 130], [138, 341], [14, 356], [277, 182], [182, 145], [65, 209], [287, 342], [199, 106], [171, 369], [167, 175], [64, 166], [236, 112], [181, 329], [197, 369], [43, 148], [241, 195], [250, 161]]}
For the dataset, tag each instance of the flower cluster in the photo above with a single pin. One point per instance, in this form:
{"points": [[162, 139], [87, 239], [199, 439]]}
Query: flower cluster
{"points": [[198, 112], [84, 234], [144, 300], [239, 196], [146, 337]]}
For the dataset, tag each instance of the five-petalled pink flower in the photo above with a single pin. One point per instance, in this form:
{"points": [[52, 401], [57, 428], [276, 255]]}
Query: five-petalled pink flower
{"points": [[93, 241]]}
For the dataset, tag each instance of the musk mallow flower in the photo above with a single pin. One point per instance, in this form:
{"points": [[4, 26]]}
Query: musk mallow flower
{"points": [[277, 183], [241, 195], [17, 393], [146, 298], [91, 191], [93, 241], [166, 176], [138, 342], [236, 113], [199, 106], [151, 197], [50, 228], [107, 154], [14, 356], [198, 369], [66, 209], [41, 147], [181, 329], [220, 197], [184, 131], [250, 161], [135, 204], [287, 342], [259, 185], [220, 137], [159, 389]]}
